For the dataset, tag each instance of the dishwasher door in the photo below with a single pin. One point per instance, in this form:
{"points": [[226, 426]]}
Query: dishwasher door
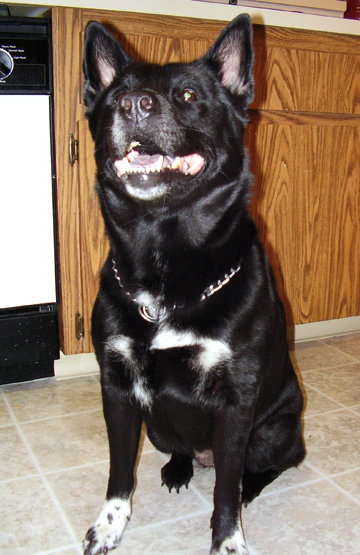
{"points": [[26, 202], [29, 331]]}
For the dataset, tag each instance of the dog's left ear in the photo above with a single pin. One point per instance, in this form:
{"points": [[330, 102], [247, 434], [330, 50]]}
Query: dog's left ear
{"points": [[103, 58], [232, 56]]}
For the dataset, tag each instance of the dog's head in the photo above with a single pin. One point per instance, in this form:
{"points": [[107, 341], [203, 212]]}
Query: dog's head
{"points": [[171, 131]]}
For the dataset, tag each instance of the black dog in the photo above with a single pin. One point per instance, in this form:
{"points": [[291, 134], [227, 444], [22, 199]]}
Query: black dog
{"points": [[188, 328]]}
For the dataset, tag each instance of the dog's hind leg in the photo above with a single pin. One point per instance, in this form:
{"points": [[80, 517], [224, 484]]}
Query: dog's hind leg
{"points": [[275, 447], [177, 472]]}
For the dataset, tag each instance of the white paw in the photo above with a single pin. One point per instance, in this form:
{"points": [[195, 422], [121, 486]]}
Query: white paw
{"points": [[233, 546], [107, 531]]}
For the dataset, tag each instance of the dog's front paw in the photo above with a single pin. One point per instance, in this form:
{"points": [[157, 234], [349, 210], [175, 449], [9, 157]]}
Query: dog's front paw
{"points": [[107, 531], [232, 546], [177, 472]]}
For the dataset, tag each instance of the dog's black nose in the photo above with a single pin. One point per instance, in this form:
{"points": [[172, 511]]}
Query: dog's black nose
{"points": [[137, 105]]}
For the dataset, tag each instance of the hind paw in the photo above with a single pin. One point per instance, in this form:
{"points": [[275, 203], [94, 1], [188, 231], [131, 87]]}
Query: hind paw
{"points": [[177, 472], [107, 531]]}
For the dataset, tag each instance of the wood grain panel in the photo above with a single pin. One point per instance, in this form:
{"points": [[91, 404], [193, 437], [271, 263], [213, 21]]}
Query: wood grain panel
{"points": [[66, 28], [306, 203], [304, 81], [205, 29], [156, 25], [161, 50]]}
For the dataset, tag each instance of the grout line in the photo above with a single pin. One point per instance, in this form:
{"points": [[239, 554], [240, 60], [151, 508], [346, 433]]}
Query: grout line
{"points": [[344, 472], [290, 488], [329, 479], [43, 478], [327, 367], [167, 521], [357, 407], [341, 405], [66, 415], [200, 496], [56, 550], [19, 478], [338, 350]]}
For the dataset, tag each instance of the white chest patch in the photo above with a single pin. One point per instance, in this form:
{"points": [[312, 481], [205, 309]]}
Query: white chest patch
{"points": [[121, 344], [211, 351]]}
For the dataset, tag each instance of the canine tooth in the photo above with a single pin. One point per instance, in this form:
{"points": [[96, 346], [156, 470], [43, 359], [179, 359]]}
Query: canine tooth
{"points": [[176, 164], [132, 145], [159, 164]]}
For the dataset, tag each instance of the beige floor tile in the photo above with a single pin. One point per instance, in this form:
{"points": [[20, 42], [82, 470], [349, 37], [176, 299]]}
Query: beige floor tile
{"points": [[333, 441], [15, 461], [350, 482], [311, 355], [317, 403], [342, 383], [50, 397], [349, 344], [5, 418], [29, 520], [189, 536], [69, 551], [315, 519], [81, 494], [152, 502], [68, 441], [204, 482]]}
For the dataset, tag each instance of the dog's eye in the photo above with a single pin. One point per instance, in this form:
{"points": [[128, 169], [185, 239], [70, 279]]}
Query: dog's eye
{"points": [[188, 95]]}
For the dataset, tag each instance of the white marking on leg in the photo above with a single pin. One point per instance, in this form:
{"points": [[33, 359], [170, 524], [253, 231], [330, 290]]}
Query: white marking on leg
{"points": [[142, 394], [213, 351], [107, 531], [122, 345], [233, 546]]}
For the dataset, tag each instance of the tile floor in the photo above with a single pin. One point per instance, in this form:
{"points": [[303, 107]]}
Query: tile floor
{"points": [[54, 465]]}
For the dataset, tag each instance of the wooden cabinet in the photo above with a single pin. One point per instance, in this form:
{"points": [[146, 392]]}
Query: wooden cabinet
{"points": [[303, 139]]}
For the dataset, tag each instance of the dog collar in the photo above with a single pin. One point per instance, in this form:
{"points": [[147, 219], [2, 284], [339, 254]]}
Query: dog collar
{"points": [[154, 314]]}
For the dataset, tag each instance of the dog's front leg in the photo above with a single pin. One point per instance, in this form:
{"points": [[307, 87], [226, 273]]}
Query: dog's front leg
{"points": [[123, 425], [231, 434]]}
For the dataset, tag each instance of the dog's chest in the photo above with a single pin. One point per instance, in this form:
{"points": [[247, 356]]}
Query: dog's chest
{"points": [[172, 362]]}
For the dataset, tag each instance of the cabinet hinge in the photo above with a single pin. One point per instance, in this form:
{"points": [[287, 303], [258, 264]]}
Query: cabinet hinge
{"points": [[73, 149], [79, 323]]}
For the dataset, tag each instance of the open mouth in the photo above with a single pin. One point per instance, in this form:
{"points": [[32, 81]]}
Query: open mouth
{"points": [[135, 162]]}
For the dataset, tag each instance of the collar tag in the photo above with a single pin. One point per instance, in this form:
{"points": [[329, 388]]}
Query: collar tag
{"points": [[152, 314]]}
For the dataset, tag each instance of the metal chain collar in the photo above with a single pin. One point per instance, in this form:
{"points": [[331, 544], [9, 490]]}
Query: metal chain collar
{"points": [[154, 314]]}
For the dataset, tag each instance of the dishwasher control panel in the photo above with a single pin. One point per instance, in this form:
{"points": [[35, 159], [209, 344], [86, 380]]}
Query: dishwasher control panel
{"points": [[25, 56]]}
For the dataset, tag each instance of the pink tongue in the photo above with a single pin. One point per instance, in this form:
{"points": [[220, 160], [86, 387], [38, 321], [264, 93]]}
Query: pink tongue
{"points": [[145, 160], [192, 164]]}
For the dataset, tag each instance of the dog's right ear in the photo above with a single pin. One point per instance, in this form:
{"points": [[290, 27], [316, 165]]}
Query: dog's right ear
{"points": [[103, 58]]}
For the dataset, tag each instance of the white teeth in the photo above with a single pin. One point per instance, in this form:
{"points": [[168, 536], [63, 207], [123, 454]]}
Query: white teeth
{"points": [[159, 164], [176, 164], [133, 145]]}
